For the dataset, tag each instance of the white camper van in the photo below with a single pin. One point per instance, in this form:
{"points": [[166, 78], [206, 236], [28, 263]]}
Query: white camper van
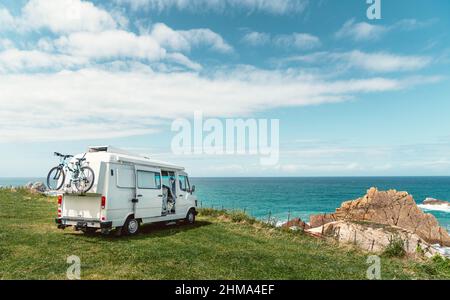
{"points": [[128, 191]]}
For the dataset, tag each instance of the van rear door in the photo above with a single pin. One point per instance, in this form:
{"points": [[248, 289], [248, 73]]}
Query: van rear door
{"points": [[85, 207]]}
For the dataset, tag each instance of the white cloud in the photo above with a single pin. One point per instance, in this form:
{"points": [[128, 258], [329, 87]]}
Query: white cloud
{"points": [[81, 48], [206, 37], [66, 16], [256, 38], [278, 7], [185, 40], [300, 41], [162, 43], [14, 60], [384, 62], [41, 105], [59, 16], [373, 62], [110, 44], [361, 31], [6, 44], [6, 19]]}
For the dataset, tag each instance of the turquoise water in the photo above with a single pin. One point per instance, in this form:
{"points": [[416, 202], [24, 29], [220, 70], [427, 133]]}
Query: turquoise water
{"points": [[301, 196]]}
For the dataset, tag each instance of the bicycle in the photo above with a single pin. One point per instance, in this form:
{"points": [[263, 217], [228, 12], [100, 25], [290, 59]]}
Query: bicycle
{"points": [[82, 176]]}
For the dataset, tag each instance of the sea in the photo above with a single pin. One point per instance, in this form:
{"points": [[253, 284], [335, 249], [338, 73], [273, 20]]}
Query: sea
{"points": [[286, 198]]}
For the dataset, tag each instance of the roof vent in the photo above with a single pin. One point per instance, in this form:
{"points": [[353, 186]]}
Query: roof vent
{"points": [[98, 149]]}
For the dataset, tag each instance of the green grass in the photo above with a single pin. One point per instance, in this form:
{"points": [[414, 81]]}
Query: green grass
{"points": [[217, 247]]}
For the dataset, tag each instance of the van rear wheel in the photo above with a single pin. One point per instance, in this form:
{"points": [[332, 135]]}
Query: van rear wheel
{"points": [[131, 226]]}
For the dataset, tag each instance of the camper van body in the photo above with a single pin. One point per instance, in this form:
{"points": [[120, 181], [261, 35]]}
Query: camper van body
{"points": [[126, 187]]}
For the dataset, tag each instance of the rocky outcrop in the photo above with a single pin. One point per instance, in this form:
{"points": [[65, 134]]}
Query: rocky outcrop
{"points": [[296, 223], [432, 201], [319, 220], [373, 237], [38, 187], [389, 208]]}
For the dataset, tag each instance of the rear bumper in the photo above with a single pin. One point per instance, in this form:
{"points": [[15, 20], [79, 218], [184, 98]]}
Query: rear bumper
{"points": [[82, 223]]}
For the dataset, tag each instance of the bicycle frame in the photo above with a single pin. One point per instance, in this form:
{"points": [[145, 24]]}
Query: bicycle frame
{"points": [[75, 172]]}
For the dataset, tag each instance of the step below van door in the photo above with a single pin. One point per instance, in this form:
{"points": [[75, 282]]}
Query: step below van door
{"points": [[148, 193]]}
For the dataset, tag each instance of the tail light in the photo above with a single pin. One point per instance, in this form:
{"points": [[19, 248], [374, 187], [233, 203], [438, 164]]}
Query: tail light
{"points": [[59, 206], [103, 202]]}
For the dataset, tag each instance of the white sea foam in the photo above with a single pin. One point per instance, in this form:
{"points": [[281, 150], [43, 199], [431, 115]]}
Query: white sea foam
{"points": [[438, 207], [445, 251]]}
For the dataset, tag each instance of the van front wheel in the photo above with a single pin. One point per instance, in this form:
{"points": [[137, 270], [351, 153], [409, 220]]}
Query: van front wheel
{"points": [[190, 218], [131, 226]]}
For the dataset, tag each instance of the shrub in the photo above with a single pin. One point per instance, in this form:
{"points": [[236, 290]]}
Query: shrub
{"points": [[240, 216], [420, 251], [396, 247], [211, 212]]}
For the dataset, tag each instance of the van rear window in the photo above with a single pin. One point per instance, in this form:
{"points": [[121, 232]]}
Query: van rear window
{"points": [[149, 180]]}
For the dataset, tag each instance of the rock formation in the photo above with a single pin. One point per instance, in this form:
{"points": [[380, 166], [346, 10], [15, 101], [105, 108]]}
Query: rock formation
{"points": [[432, 201], [38, 187], [373, 237], [389, 208], [296, 223]]}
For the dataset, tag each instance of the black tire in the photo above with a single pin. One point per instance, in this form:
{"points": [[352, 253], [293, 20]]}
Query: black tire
{"points": [[131, 226], [56, 178], [190, 217], [84, 184]]}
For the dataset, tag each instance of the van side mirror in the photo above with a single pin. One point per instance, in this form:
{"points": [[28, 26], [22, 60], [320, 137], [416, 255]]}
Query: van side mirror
{"points": [[193, 189]]}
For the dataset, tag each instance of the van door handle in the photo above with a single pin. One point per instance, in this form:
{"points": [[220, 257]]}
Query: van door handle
{"points": [[139, 196], [180, 195], [160, 195]]}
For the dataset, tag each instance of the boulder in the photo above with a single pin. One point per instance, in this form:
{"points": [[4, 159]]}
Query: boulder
{"points": [[38, 187], [373, 237], [319, 220], [296, 223], [390, 208], [432, 201]]}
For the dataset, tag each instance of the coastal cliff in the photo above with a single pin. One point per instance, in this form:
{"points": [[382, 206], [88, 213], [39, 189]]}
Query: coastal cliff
{"points": [[397, 211]]}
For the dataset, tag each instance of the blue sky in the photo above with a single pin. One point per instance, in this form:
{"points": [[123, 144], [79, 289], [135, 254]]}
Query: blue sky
{"points": [[355, 97]]}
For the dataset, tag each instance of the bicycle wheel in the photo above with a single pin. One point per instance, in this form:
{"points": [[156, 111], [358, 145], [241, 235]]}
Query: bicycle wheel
{"points": [[85, 180], [56, 178]]}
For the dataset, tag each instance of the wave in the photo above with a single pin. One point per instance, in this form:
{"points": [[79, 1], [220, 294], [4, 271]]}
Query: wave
{"points": [[438, 207], [445, 251]]}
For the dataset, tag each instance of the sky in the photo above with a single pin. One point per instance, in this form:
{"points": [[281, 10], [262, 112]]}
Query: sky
{"points": [[354, 96]]}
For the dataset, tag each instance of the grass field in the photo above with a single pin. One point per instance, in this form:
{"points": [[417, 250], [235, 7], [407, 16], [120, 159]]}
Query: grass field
{"points": [[215, 248]]}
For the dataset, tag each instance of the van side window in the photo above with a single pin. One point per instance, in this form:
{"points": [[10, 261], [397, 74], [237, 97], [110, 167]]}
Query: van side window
{"points": [[148, 180], [184, 183], [125, 178]]}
